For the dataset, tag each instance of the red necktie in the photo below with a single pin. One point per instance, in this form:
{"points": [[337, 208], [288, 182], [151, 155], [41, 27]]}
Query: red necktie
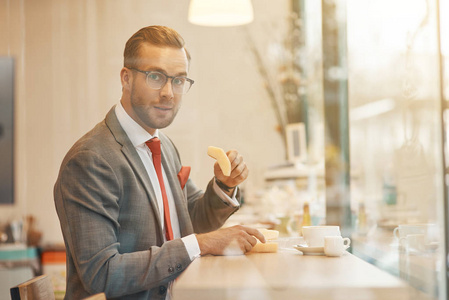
{"points": [[155, 146]]}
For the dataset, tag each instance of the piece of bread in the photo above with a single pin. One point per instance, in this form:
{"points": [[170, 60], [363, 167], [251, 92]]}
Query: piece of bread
{"points": [[222, 159], [269, 234], [268, 246]]}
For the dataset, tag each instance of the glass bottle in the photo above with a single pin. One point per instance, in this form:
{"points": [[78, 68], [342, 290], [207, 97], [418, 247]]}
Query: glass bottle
{"points": [[306, 215]]}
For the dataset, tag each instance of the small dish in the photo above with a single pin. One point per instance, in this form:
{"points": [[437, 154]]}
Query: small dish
{"points": [[306, 250], [432, 246]]}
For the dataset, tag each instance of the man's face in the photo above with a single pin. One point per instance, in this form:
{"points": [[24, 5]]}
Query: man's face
{"points": [[153, 109]]}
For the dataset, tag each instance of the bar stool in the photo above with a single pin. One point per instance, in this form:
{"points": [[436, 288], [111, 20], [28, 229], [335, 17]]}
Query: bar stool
{"points": [[99, 296], [37, 288]]}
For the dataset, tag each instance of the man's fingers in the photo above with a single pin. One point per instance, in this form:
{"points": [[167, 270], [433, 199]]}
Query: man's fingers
{"points": [[217, 168], [248, 246], [256, 233], [237, 161], [235, 158], [239, 171], [252, 240], [232, 155]]}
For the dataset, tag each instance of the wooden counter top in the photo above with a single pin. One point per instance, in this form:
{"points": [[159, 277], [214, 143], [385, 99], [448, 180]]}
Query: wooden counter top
{"points": [[287, 275]]}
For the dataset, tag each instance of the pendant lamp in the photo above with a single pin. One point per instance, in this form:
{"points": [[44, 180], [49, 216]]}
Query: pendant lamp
{"points": [[220, 12]]}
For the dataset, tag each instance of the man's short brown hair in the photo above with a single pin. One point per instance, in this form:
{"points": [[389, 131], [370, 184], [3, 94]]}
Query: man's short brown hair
{"points": [[155, 35]]}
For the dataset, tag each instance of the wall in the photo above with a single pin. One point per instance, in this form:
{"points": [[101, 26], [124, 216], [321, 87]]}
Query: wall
{"points": [[69, 55]]}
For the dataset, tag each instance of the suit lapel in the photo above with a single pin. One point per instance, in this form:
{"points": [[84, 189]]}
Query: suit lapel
{"points": [[134, 160], [185, 223]]}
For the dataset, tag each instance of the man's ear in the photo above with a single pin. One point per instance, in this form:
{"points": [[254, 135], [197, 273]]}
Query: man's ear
{"points": [[126, 78]]}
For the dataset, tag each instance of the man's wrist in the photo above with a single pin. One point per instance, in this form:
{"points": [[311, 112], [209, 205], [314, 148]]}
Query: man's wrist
{"points": [[201, 244], [223, 186], [227, 197]]}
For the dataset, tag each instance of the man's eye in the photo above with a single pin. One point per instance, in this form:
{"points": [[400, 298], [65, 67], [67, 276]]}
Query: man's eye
{"points": [[179, 81], [155, 76]]}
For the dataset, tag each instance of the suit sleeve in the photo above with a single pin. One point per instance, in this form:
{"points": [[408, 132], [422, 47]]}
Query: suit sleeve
{"points": [[87, 198], [207, 210]]}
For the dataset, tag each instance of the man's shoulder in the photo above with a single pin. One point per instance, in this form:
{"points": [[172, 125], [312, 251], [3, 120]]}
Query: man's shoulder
{"points": [[100, 138], [99, 141], [96, 139]]}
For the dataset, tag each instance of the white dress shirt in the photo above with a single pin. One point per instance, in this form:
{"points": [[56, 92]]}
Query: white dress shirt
{"points": [[138, 137]]}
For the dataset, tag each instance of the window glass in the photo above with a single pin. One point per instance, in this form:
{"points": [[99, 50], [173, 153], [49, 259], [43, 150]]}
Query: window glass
{"points": [[395, 139]]}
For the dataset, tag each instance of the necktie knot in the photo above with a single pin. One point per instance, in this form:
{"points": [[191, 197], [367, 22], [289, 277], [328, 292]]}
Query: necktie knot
{"points": [[155, 146]]}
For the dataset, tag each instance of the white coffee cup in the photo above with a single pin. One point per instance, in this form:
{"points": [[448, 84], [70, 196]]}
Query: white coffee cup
{"points": [[414, 243], [335, 245], [428, 229], [314, 235]]}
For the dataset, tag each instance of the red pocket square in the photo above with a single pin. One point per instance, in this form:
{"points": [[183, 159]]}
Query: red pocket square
{"points": [[183, 175]]}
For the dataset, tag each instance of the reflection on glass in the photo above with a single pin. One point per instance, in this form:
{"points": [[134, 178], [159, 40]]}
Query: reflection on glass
{"points": [[396, 159]]}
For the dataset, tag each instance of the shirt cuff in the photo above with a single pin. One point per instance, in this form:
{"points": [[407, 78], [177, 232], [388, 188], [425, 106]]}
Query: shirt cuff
{"points": [[191, 244], [223, 196]]}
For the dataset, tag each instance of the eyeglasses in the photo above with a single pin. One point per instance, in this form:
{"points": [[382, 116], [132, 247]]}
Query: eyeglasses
{"points": [[157, 80]]}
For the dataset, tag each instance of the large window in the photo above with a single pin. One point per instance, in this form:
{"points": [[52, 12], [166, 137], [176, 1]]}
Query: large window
{"points": [[396, 156]]}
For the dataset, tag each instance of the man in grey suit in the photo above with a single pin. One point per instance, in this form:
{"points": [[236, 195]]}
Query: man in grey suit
{"points": [[112, 209]]}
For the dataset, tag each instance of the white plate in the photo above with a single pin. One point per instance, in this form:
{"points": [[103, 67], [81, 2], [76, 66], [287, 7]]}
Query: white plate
{"points": [[306, 250]]}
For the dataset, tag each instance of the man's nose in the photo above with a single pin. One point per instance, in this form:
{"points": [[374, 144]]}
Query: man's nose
{"points": [[167, 89]]}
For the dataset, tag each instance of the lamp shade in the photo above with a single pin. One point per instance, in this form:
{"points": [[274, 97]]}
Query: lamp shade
{"points": [[220, 12]]}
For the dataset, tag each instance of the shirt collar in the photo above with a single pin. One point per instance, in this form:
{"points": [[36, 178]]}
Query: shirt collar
{"points": [[135, 132]]}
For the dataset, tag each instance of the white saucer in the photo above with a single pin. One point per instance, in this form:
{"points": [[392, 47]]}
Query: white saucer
{"points": [[306, 250]]}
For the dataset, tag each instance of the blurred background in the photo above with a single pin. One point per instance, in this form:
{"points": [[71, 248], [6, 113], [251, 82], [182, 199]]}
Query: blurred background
{"points": [[338, 108]]}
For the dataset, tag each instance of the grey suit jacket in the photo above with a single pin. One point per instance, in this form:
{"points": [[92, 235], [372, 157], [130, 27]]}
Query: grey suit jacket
{"points": [[110, 221]]}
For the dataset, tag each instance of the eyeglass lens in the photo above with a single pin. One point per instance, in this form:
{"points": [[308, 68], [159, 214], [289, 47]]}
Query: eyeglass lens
{"points": [[157, 80]]}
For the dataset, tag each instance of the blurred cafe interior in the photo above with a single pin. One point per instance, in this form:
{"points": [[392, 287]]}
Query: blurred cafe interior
{"points": [[339, 108]]}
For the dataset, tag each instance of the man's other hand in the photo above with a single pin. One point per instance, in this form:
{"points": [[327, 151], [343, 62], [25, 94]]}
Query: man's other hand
{"points": [[234, 240]]}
